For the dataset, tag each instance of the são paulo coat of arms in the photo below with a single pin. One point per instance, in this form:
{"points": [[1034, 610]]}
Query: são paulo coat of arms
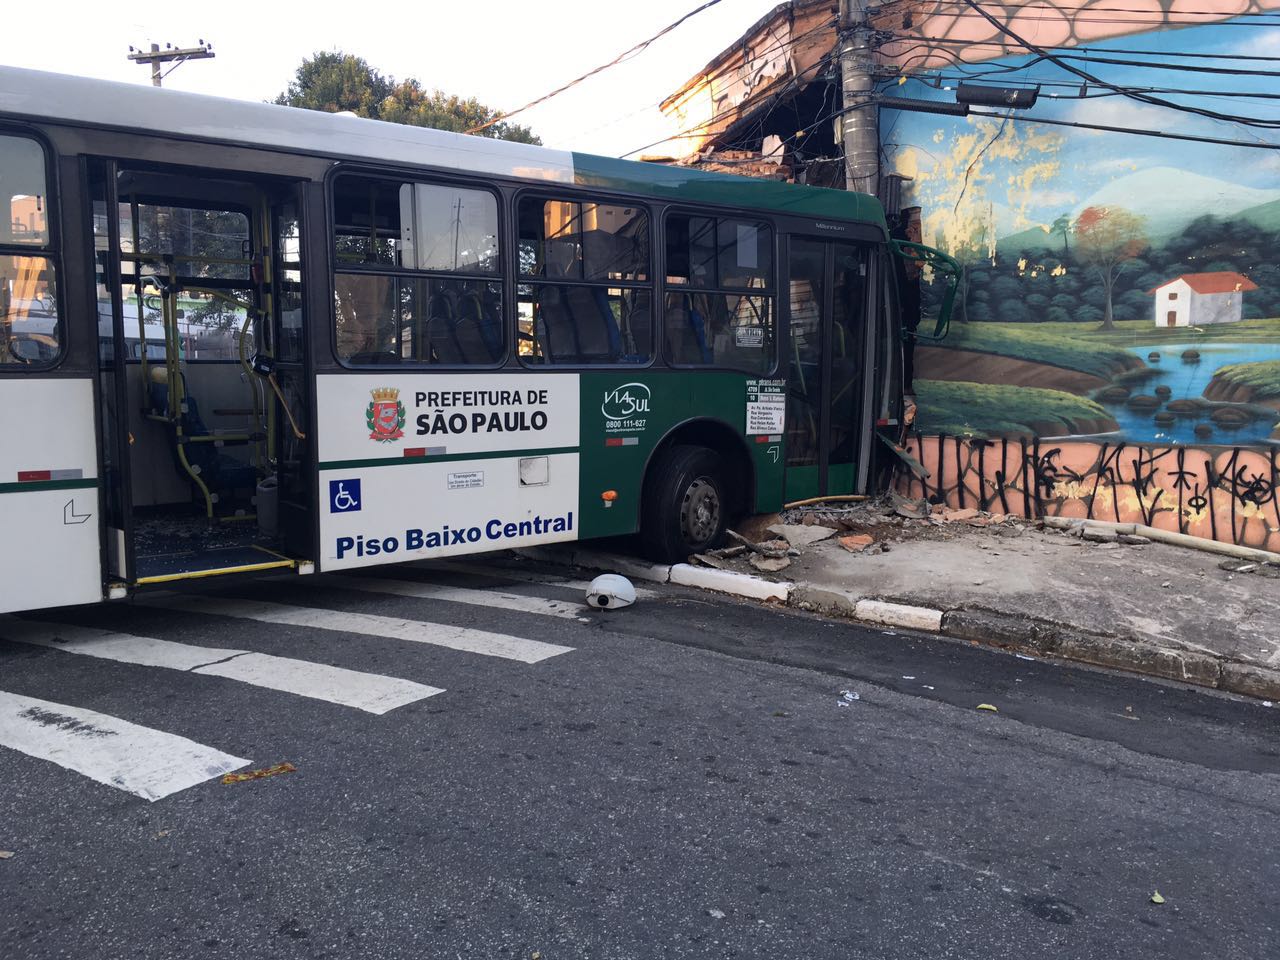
{"points": [[385, 415]]}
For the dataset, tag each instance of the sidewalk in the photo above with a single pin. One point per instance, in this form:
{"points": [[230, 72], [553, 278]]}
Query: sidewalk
{"points": [[1149, 608]]}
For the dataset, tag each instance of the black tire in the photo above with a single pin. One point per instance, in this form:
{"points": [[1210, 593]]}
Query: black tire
{"points": [[684, 509]]}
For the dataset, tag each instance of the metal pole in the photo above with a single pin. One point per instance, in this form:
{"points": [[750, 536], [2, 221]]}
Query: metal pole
{"points": [[858, 122]]}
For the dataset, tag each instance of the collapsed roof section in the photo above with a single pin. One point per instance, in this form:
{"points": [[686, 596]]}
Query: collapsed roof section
{"points": [[752, 95]]}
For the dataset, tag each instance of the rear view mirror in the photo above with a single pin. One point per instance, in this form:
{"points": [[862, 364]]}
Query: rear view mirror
{"points": [[25, 350]]}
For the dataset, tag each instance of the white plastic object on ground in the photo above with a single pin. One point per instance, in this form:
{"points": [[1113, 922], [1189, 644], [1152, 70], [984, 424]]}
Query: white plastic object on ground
{"points": [[611, 592]]}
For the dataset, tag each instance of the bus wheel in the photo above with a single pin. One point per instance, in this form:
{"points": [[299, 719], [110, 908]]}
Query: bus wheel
{"points": [[684, 509]]}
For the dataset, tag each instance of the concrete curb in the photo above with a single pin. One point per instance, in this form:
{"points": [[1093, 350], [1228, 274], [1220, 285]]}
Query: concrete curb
{"points": [[1046, 638], [1018, 633]]}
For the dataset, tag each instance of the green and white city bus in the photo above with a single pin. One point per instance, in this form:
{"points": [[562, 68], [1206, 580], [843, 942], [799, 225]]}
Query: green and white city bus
{"points": [[239, 337]]}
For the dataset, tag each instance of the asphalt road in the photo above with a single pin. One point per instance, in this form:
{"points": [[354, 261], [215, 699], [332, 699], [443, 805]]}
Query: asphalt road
{"points": [[686, 781]]}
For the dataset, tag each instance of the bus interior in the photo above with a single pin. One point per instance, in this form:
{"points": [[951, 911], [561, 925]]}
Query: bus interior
{"points": [[200, 341]]}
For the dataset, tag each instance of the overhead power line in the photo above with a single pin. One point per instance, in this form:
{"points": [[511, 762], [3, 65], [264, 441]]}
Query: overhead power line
{"points": [[1094, 79], [1055, 8], [625, 55], [1085, 48], [1136, 131]]}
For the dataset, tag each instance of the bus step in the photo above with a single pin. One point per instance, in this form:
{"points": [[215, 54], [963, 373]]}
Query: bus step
{"points": [[218, 562]]}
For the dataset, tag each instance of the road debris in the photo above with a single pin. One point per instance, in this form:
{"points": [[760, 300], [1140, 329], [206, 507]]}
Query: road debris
{"points": [[285, 767], [715, 914], [609, 591], [856, 543], [769, 564], [990, 707], [765, 548], [801, 535], [711, 560], [1156, 898], [1262, 568], [6, 854], [847, 697]]}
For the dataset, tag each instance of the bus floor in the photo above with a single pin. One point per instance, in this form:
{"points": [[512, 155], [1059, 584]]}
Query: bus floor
{"points": [[173, 545]]}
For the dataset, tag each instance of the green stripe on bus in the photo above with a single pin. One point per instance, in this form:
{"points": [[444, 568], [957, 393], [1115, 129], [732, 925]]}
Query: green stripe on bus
{"points": [[31, 486], [443, 458], [751, 195]]}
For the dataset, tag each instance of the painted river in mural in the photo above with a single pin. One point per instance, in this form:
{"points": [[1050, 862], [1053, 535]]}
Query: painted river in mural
{"points": [[1187, 381]]}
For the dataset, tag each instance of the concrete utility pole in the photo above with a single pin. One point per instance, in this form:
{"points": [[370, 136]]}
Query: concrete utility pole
{"points": [[858, 125], [170, 54]]}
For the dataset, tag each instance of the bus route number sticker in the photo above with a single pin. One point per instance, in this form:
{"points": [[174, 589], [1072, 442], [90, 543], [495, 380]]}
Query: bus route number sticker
{"points": [[766, 406]]}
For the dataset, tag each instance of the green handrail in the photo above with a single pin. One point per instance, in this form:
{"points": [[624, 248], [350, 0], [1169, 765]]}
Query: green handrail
{"points": [[942, 263]]}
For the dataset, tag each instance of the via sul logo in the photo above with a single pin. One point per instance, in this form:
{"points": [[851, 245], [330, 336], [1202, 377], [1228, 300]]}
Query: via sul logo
{"points": [[385, 415], [625, 402]]}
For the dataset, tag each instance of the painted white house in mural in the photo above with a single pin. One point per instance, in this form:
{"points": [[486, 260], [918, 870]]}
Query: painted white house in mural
{"points": [[1201, 299]]}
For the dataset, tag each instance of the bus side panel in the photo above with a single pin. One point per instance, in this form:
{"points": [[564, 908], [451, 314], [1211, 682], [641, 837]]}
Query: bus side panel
{"points": [[626, 415], [50, 552], [416, 466]]}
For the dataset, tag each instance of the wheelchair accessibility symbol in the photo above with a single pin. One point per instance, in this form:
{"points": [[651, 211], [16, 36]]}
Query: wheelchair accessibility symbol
{"points": [[344, 496]]}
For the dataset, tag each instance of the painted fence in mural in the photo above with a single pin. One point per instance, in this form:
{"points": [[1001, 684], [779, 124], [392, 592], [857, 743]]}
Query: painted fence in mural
{"points": [[1220, 493]]}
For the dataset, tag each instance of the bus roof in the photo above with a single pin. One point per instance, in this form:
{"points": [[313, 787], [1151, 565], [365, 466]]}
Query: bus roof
{"points": [[38, 95]]}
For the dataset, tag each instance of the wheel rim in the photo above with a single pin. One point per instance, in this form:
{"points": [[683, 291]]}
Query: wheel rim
{"points": [[700, 512]]}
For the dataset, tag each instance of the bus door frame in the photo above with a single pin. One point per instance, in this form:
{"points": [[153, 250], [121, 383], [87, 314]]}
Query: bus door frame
{"points": [[829, 234], [118, 546]]}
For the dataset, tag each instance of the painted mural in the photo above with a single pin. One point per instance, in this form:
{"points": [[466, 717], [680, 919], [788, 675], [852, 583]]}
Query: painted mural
{"points": [[1227, 494], [1118, 288]]}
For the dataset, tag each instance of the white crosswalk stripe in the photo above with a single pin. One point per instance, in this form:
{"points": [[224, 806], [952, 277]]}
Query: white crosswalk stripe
{"points": [[503, 573], [370, 692], [542, 606], [153, 764], [465, 639], [147, 763]]}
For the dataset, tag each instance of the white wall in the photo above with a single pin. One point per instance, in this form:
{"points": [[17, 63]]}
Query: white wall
{"points": [[1181, 305], [1211, 308]]}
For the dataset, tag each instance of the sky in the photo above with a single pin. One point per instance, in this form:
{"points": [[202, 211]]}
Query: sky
{"points": [[505, 52]]}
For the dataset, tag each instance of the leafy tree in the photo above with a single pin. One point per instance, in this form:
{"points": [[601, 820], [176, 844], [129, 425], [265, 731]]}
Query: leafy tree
{"points": [[410, 103], [1109, 239], [336, 82]]}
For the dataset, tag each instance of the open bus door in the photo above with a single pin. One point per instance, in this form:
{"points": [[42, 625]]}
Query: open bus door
{"points": [[828, 366], [845, 357], [204, 381]]}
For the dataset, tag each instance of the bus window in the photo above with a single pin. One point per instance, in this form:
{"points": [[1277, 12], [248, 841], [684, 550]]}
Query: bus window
{"points": [[22, 191], [718, 308], [207, 250], [417, 267], [28, 310], [584, 297], [29, 330]]}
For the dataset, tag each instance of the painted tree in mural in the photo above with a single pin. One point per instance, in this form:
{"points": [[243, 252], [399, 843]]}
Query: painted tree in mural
{"points": [[1109, 239], [1062, 226]]}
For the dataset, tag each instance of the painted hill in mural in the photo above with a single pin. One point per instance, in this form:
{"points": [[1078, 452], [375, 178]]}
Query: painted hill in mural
{"points": [[1168, 199], [1266, 216]]}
